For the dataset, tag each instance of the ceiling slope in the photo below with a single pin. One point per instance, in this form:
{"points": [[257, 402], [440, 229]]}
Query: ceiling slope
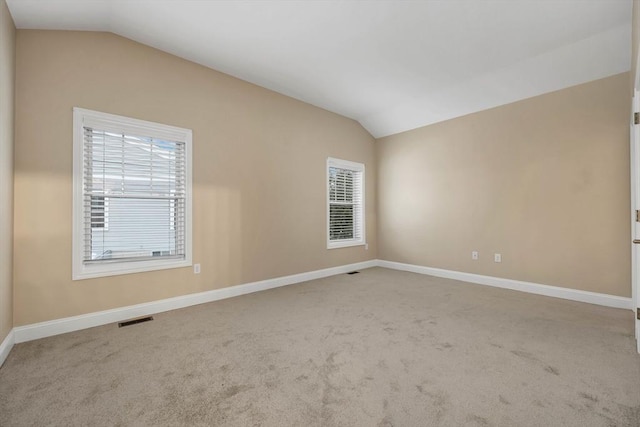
{"points": [[391, 65]]}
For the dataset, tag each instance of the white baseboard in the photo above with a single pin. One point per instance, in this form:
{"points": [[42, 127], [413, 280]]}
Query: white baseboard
{"points": [[516, 285], [6, 346], [84, 321], [69, 324]]}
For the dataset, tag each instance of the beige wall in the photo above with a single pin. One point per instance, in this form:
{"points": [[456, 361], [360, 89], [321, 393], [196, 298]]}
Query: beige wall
{"points": [[259, 203], [7, 64], [544, 182]]}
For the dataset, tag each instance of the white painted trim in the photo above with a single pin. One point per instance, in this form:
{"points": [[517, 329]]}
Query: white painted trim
{"points": [[34, 331], [111, 122], [84, 321], [6, 346], [516, 285], [634, 251], [356, 167]]}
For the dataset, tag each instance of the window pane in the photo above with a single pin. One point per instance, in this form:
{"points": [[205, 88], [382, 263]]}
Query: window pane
{"points": [[346, 203], [341, 222], [137, 228], [144, 180], [340, 185]]}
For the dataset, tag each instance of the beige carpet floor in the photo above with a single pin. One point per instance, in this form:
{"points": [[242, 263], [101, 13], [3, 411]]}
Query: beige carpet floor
{"points": [[379, 348]]}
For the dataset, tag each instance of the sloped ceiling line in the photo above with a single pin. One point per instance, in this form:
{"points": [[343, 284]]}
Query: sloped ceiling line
{"points": [[393, 66]]}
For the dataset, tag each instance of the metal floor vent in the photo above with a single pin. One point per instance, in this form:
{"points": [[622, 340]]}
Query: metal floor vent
{"points": [[134, 321], [353, 272]]}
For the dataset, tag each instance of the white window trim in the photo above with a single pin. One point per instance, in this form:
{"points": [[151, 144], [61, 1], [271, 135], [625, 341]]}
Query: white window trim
{"points": [[82, 117], [345, 164]]}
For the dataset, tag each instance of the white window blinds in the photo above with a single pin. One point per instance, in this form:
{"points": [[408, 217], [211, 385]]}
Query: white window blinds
{"points": [[143, 181], [135, 188], [346, 203]]}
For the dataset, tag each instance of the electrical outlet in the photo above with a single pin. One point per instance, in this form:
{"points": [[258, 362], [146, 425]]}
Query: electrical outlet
{"points": [[196, 268], [497, 258], [474, 255], [366, 246]]}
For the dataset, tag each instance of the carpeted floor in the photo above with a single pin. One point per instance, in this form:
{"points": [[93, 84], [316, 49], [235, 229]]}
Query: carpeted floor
{"points": [[379, 348]]}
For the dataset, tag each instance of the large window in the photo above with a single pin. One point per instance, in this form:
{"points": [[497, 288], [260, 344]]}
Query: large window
{"points": [[132, 195], [345, 210]]}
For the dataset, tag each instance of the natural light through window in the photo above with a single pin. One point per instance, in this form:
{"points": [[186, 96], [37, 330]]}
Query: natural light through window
{"points": [[132, 200], [345, 207]]}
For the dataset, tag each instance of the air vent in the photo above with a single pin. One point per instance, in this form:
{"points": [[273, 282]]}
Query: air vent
{"points": [[134, 321], [353, 272]]}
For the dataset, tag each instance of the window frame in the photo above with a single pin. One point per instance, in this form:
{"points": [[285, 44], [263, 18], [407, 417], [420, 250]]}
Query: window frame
{"points": [[355, 167], [123, 124]]}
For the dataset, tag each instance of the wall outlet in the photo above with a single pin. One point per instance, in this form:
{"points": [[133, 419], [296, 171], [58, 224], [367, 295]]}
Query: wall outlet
{"points": [[366, 246], [196, 268], [497, 258], [474, 255]]}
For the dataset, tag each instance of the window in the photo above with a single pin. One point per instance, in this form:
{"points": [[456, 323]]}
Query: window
{"points": [[345, 210], [132, 195]]}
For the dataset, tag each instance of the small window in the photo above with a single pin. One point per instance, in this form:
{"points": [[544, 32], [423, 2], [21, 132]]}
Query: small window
{"points": [[132, 195], [345, 210]]}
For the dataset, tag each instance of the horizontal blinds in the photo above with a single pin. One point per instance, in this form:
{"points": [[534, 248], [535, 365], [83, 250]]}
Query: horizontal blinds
{"points": [[345, 204], [134, 197]]}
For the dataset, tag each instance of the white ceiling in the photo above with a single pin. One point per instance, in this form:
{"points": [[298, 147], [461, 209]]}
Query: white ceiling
{"points": [[391, 65]]}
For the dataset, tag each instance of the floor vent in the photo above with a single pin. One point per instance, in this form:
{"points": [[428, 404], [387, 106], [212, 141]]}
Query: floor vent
{"points": [[134, 321], [353, 272]]}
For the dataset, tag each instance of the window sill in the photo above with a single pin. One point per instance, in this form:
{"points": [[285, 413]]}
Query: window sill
{"points": [[345, 244], [121, 268]]}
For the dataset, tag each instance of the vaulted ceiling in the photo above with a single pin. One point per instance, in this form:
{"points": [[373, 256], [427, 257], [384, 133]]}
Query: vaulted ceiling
{"points": [[391, 65]]}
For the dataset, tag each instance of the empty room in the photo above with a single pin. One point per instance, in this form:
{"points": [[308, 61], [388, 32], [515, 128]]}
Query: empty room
{"points": [[319, 213]]}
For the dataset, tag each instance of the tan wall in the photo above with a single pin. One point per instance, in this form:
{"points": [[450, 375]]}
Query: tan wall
{"points": [[259, 203], [7, 65], [544, 182]]}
